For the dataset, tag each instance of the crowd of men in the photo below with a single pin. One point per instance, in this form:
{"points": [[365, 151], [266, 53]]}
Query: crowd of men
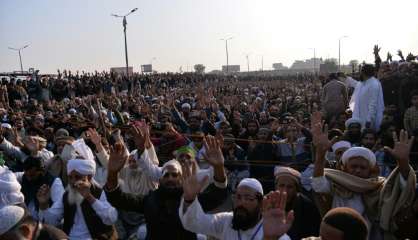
{"points": [[200, 156]]}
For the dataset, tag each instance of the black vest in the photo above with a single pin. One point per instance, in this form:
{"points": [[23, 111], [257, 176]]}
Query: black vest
{"points": [[97, 229], [30, 188]]}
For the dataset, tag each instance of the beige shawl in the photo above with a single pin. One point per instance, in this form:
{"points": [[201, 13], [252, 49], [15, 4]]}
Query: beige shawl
{"points": [[382, 198]]}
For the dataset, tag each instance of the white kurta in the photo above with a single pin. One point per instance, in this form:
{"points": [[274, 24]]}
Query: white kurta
{"points": [[217, 225], [147, 163], [79, 231], [367, 102], [57, 190]]}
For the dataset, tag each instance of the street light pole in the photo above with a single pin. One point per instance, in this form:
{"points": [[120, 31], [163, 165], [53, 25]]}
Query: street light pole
{"points": [[226, 50], [314, 59], [124, 23], [248, 62], [20, 56], [339, 52]]}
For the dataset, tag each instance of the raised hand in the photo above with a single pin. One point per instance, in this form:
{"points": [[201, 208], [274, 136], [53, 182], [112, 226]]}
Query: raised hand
{"points": [[400, 54], [94, 136], [141, 136], [117, 158], [402, 147], [319, 133], [275, 220], [401, 151], [43, 195], [376, 50], [389, 57], [191, 185], [213, 154], [83, 187]]}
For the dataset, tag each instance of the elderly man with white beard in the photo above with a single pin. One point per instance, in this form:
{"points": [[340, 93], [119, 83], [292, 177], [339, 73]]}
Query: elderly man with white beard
{"points": [[134, 180], [86, 212]]}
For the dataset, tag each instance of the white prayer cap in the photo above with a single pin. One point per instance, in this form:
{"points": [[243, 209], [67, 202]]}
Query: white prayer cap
{"points": [[82, 166], [340, 144], [8, 181], [251, 183], [173, 163], [359, 152], [10, 216], [72, 111], [6, 125], [287, 171], [186, 105], [10, 193], [353, 120]]}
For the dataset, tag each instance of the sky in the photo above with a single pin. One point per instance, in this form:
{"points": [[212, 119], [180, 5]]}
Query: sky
{"points": [[81, 34]]}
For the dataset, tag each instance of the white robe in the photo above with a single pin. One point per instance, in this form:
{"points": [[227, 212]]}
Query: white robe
{"points": [[217, 225], [79, 231], [367, 102]]}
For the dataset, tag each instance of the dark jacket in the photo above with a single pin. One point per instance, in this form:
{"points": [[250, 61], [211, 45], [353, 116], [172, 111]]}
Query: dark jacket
{"points": [[307, 218], [161, 214]]}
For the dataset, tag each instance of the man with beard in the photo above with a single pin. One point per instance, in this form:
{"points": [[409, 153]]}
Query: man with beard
{"points": [[338, 149], [250, 133], [367, 100], [192, 122], [306, 216], [353, 131], [245, 222], [18, 225], [357, 185], [160, 207], [135, 181], [86, 212], [33, 179], [65, 152]]}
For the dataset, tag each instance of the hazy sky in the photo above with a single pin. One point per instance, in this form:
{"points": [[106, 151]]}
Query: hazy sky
{"points": [[81, 34]]}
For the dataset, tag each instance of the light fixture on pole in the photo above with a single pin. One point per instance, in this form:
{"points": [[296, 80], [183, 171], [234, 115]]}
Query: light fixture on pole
{"points": [[124, 23], [314, 59], [20, 56], [226, 50], [247, 56], [339, 52]]}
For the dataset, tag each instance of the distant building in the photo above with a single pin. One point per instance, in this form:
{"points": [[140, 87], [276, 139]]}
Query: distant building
{"points": [[308, 64], [279, 66], [122, 70], [231, 68], [146, 68]]}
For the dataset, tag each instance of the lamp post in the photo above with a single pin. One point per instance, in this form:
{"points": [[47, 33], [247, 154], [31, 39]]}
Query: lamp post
{"points": [[226, 50], [20, 56], [339, 52], [124, 23], [314, 59], [247, 56]]}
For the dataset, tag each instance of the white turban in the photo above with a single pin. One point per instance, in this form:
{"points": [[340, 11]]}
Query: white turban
{"points": [[173, 163], [10, 216], [82, 149], [251, 183], [10, 193], [359, 152], [82, 166], [353, 120], [340, 144]]}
